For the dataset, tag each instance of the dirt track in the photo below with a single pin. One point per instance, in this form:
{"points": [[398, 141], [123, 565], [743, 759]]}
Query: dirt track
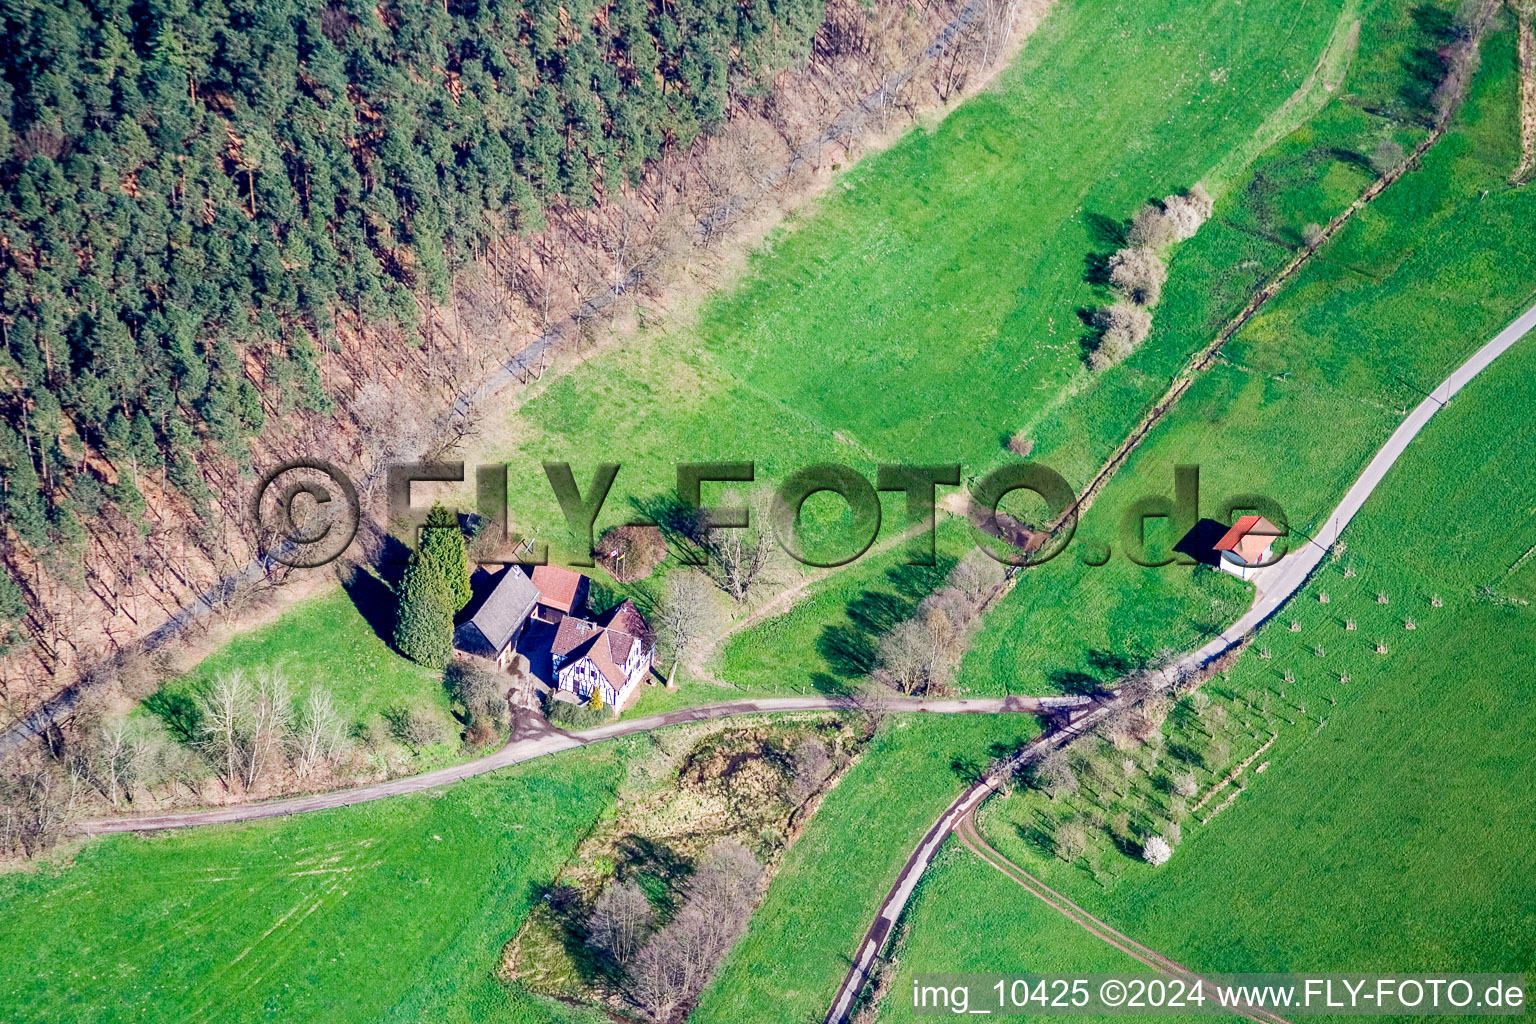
{"points": [[969, 835]]}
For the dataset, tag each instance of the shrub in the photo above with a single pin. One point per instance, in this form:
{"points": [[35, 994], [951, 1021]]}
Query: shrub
{"points": [[1156, 851], [479, 691], [413, 726], [1021, 445], [631, 552], [1125, 326], [1138, 275], [575, 716]]}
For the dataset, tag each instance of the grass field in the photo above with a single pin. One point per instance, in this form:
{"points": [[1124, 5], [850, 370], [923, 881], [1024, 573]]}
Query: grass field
{"points": [[1301, 399], [825, 894], [388, 911], [1342, 855], [827, 641], [328, 642], [1021, 935], [940, 282]]}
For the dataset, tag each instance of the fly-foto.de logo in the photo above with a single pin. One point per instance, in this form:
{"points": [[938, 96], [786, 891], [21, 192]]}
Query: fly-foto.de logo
{"points": [[307, 512]]}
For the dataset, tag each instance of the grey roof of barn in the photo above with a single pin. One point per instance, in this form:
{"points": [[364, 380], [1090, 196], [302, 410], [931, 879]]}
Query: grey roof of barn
{"points": [[504, 609]]}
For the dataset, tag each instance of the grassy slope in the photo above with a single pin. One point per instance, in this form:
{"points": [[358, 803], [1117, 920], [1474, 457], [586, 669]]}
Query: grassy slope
{"points": [[1339, 857], [826, 641], [823, 898], [1022, 934], [395, 910], [990, 353], [939, 282], [1302, 398], [327, 642]]}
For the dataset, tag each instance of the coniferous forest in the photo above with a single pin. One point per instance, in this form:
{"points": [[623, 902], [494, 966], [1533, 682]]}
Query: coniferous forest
{"points": [[196, 191]]}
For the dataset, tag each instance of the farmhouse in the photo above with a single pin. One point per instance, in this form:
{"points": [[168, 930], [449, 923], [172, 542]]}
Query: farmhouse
{"points": [[494, 628], [1245, 548], [611, 655], [561, 592]]}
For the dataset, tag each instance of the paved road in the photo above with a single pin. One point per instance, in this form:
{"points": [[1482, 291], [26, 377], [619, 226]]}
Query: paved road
{"points": [[1275, 585], [534, 737]]}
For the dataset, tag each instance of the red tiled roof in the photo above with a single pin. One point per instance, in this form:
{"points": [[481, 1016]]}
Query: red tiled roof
{"points": [[608, 646], [625, 618], [573, 632], [1249, 538], [557, 586]]}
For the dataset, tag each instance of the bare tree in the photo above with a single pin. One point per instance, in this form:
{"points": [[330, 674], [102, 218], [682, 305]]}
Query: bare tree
{"points": [[270, 714], [683, 615], [812, 764], [911, 654], [112, 760], [621, 920], [675, 964], [480, 691], [739, 559], [317, 733], [224, 704], [1054, 774]]}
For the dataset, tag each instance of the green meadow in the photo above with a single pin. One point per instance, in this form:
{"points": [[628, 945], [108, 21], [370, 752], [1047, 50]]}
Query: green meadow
{"points": [[1390, 830], [335, 642], [825, 894], [389, 911], [924, 310], [928, 306], [1297, 404]]}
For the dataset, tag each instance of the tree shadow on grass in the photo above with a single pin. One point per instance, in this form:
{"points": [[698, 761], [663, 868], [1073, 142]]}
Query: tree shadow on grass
{"points": [[852, 650], [968, 770], [567, 913], [679, 524], [1425, 65], [831, 686], [1104, 668], [918, 581], [177, 711], [374, 601], [1106, 232], [849, 650]]}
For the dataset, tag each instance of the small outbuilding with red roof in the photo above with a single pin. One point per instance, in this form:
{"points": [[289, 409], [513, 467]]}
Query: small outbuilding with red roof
{"points": [[1246, 547]]}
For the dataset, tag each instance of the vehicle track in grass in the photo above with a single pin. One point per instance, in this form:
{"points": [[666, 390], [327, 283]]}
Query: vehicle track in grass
{"points": [[970, 836]]}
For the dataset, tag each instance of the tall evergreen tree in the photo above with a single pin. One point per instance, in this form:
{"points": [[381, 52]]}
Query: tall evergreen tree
{"points": [[442, 550], [424, 620]]}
